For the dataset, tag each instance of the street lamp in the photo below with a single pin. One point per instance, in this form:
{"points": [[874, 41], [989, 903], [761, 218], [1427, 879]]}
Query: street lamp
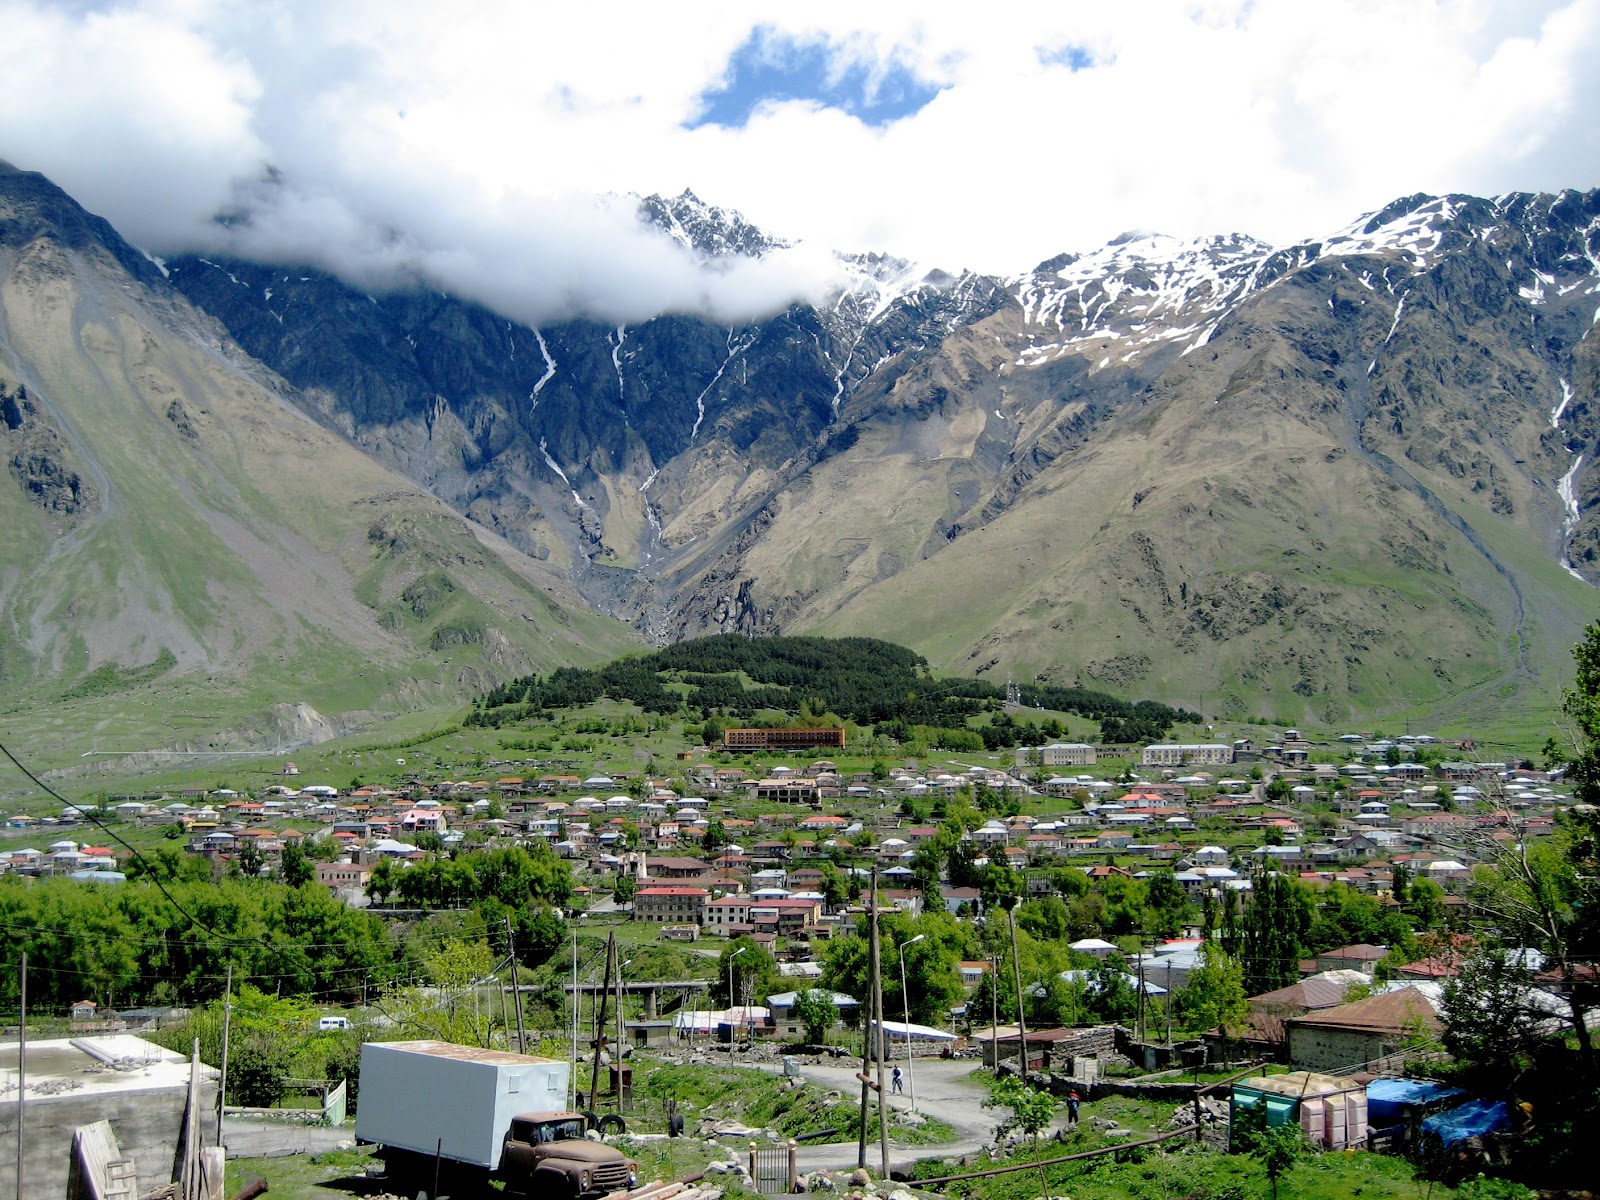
{"points": [[905, 1006], [733, 1033]]}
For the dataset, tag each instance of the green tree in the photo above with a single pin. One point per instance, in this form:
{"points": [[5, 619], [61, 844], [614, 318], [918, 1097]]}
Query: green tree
{"points": [[624, 888], [1491, 1019], [1546, 895], [1031, 1111], [1044, 918], [381, 882], [1401, 888], [1425, 903], [1272, 929], [814, 1008], [835, 889], [1166, 907], [1277, 1151], [294, 867], [1111, 997], [248, 859], [931, 972], [752, 971], [448, 1009], [1214, 995], [1275, 1147]]}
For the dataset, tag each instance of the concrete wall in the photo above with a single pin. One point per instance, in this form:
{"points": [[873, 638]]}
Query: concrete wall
{"points": [[147, 1123]]}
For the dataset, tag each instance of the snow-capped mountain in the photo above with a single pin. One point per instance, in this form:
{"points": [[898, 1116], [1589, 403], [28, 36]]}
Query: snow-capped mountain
{"points": [[706, 228], [1342, 475]]}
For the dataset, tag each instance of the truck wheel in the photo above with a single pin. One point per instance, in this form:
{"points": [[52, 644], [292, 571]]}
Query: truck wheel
{"points": [[612, 1124], [590, 1120]]}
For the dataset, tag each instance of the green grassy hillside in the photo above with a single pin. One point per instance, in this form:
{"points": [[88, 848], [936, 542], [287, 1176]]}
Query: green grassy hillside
{"points": [[212, 553]]}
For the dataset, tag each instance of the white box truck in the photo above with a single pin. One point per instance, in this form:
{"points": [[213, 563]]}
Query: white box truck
{"points": [[448, 1118]]}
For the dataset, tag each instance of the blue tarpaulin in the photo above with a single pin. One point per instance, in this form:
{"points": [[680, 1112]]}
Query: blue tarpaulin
{"points": [[1387, 1099], [1473, 1119]]}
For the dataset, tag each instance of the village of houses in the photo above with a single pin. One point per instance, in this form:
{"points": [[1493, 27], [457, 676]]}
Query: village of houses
{"points": [[1197, 810]]}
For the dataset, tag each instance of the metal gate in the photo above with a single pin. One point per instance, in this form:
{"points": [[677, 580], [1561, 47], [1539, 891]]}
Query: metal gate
{"points": [[772, 1168]]}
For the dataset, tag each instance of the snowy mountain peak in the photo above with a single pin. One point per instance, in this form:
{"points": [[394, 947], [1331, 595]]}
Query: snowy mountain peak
{"points": [[706, 228], [1138, 291], [1414, 227]]}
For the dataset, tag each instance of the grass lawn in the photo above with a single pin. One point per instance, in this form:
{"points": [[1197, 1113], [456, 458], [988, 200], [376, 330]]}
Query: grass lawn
{"points": [[338, 1173], [1186, 1172]]}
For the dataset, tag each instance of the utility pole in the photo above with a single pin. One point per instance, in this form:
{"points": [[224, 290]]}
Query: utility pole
{"points": [[621, 1032], [1016, 978], [1140, 1021], [572, 1084], [516, 992], [877, 1011], [227, 1021], [1169, 1001], [22, 1060], [994, 1016], [600, 1020], [505, 1019], [866, 1049]]}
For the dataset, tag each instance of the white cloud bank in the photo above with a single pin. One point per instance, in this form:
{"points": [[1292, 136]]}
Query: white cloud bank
{"points": [[468, 147]]}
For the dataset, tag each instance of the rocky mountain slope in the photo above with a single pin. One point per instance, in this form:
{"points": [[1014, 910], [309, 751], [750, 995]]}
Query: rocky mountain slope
{"points": [[1322, 482], [186, 558], [1325, 480]]}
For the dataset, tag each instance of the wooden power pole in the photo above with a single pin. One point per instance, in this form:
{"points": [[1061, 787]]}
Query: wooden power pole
{"points": [[516, 993], [877, 1013], [600, 1021], [22, 1060], [866, 1049], [227, 1025]]}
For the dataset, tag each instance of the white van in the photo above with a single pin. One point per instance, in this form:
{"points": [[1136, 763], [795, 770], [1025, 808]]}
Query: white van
{"points": [[333, 1023]]}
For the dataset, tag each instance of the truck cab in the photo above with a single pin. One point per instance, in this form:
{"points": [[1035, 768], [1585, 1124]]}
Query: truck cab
{"points": [[550, 1154]]}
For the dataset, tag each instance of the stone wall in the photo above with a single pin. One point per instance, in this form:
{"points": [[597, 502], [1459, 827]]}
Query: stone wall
{"points": [[1098, 1041], [1313, 1048]]}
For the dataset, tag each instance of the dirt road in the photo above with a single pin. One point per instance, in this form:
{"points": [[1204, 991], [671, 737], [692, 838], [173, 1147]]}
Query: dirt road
{"points": [[945, 1091]]}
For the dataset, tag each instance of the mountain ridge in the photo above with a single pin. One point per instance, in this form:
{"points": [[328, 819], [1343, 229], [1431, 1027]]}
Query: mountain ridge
{"points": [[975, 394], [1351, 476]]}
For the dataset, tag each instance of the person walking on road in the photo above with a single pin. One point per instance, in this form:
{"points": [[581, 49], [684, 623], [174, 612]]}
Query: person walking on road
{"points": [[1072, 1110], [899, 1082]]}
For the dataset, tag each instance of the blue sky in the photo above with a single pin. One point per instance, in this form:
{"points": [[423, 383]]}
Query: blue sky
{"points": [[772, 68]]}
